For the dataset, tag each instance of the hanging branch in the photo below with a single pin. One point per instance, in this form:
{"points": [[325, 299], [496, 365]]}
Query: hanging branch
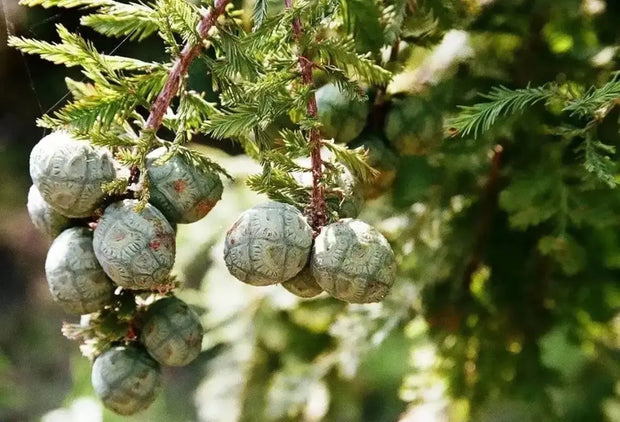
{"points": [[318, 206], [489, 204], [178, 71], [181, 66]]}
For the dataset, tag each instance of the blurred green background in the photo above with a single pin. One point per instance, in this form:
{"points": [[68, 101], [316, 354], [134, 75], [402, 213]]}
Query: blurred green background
{"points": [[506, 305]]}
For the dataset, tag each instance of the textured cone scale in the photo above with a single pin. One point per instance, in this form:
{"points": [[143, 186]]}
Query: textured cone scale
{"points": [[172, 333], [135, 249], [179, 190], [45, 218], [75, 278], [303, 284], [126, 379], [268, 244], [353, 262], [342, 118], [69, 173], [352, 201]]}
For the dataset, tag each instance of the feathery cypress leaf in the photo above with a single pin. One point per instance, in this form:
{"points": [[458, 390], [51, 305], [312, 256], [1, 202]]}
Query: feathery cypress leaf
{"points": [[260, 12], [137, 21], [503, 101]]}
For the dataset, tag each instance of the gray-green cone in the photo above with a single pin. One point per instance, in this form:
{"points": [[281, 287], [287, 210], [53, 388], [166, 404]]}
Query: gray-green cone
{"points": [[353, 262], [75, 278], [69, 173], [179, 190], [342, 118], [414, 126], [172, 333], [303, 284], [126, 379], [45, 218], [268, 244], [382, 159], [352, 201], [135, 249]]}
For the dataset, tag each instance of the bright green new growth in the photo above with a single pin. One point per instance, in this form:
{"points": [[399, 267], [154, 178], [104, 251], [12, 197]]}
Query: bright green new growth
{"points": [[483, 205], [593, 105], [172, 333], [252, 71], [502, 102]]}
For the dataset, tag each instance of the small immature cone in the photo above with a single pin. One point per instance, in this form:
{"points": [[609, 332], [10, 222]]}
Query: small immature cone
{"points": [[343, 119], [135, 249], [268, 244], [414, 126], [70, 173], [383, 159], [172, 332], [45, 218], [349, 202], [126, 379], [303, 284], [352, 201], [183, 193], [75, 278], [353, 262]]}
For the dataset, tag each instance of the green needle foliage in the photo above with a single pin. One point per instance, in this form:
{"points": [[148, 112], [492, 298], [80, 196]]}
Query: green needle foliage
{"points": [[254, 78], [501, 102], [593, 105], [505, 227]]}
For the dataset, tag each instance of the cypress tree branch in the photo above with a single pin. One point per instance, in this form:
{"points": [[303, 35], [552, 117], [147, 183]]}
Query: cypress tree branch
{"points": [[179, 70], [318, 206], [484, 223], [181, 66]]}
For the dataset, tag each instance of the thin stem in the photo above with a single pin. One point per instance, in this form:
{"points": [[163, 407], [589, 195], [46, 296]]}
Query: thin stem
{"points": [[484, 223], [181, 66], [178, 71], [318, 206]]}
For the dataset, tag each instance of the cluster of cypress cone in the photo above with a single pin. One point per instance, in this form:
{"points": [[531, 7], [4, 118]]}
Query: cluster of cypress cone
{"points": [[102, 248]]}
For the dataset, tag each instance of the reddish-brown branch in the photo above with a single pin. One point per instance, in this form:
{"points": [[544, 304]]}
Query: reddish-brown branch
{"points": [[131, 334], [318, 206], [178, 71], [485, 219], [181, 66]]}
